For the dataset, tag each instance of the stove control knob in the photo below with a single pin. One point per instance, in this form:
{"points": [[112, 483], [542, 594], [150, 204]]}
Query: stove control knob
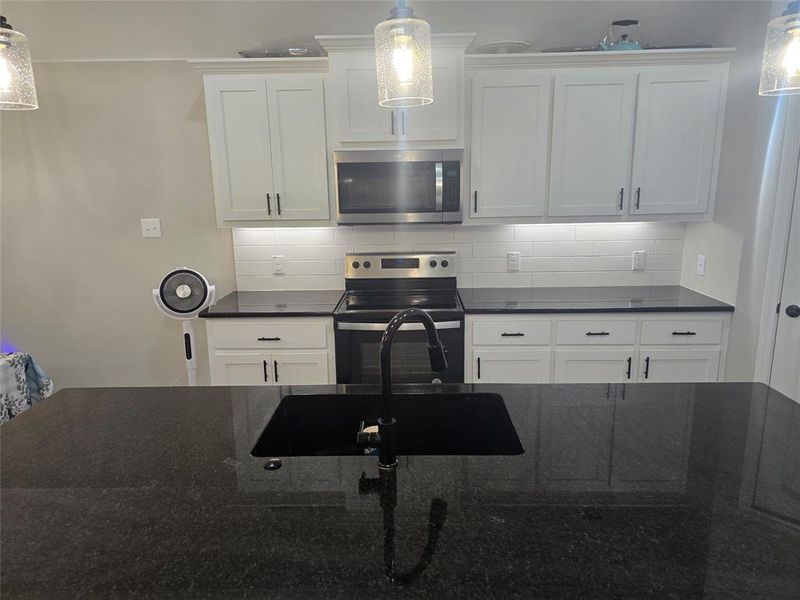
{"points": [[433, 264], [445, 263], [367, 264], [356, 264]]}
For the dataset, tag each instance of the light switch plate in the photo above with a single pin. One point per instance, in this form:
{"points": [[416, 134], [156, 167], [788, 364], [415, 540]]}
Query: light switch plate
{"points": [[151, 228], [277, 263], [513, 261], [701, 265], [639, 260]]}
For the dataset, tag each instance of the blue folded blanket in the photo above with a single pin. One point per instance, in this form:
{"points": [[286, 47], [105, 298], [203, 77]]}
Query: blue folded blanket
{"points": [[23, 383]]}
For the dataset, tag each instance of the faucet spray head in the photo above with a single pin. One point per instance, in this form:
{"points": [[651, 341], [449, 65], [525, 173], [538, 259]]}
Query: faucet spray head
{"points": [[437, 357]]}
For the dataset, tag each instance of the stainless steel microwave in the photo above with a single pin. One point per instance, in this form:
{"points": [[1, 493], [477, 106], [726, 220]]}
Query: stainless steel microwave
{"points": [[407, 186]]}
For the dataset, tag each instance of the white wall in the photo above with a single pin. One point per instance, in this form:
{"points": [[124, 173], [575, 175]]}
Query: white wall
{"points": [[552, 255]]}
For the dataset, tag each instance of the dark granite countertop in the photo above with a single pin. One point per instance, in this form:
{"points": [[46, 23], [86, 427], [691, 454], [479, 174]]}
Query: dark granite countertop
{"points": [[623, 491], [290, 303], [663, 298]]}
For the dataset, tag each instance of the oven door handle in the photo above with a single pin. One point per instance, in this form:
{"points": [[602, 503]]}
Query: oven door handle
{"points": [[346, 326]]}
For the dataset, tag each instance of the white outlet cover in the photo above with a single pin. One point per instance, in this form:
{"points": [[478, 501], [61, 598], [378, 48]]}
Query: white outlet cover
{"points": [[151, 228], [701, 265], [277, 263], [513, 261], [639, 260]]}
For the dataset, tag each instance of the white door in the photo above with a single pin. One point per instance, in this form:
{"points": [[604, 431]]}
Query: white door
{"points": [[678, 365], [592, 139], [297, 135], [437, 121], [289, 368], [511, 366], [358, 114], [241, 159], [595, 366], [510, 134], [675, 146], [785, 376], [241, 369]]}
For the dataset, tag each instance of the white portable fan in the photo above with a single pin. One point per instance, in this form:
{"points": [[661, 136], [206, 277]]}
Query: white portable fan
{"points": [[182, 294]]}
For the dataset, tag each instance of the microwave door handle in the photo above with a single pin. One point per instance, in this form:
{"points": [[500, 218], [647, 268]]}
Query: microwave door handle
{"points": [[439, 185]]}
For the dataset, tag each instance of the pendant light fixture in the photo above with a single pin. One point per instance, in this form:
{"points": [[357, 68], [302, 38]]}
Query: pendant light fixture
{"points": [[17, 89], [403, 59], [780, 69]]}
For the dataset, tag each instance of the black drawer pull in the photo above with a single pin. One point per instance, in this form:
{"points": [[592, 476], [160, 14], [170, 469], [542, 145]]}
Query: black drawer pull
{"points": [[269, 339], [479, 367], [275, 362], [597, 333], [630, 362], [517, 334], [646, 367], [265, 371], [684, 333]]}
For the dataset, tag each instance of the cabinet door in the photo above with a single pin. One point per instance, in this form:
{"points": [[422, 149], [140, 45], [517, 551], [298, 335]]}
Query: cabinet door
{"points": [[437, 121], [595, 366], [511, 366], [592, 141], [241, 159], [675, 146], [241, 369], [297, 135], [678, 365], [299, 368], [575, 440], [358, 114], [510, 132]]}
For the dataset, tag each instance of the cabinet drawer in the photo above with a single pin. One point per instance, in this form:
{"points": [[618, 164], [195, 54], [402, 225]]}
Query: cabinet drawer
{"points": [[511, 333], [596, 332], [678, 331], [270, 335]]}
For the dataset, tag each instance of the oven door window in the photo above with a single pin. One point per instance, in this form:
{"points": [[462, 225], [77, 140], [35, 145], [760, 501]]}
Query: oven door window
{"points": [[391, 187]]}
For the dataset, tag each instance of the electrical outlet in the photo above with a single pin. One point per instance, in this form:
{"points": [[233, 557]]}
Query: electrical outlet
{"points": [[277, 263], [513, 261], [701, 265], [639, 260], [151, 228]]}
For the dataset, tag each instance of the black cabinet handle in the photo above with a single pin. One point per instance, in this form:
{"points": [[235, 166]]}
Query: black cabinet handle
{"points": [[597, 333], [475, 194], [684, 333], [621, 196], [646, 367], [479, 367], [630, 363], [793, 311], [265, 371], [269, 339], [269, 206], [517, 334], [278, 198], [638, 197], [275, 363]]}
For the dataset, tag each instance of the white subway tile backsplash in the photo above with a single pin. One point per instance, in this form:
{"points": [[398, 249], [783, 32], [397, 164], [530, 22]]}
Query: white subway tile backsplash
{"points": [[556, 255]]}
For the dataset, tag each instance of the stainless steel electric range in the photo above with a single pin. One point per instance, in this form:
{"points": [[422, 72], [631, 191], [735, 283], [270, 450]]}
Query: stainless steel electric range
{"points": [[379, 285]]}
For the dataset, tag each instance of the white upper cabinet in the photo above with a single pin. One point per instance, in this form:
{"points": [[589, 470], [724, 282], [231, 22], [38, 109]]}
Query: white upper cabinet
{"points": [[268, 147], [440, 120], [678, 128], [509, 143], [241, 157], [593, 112]]}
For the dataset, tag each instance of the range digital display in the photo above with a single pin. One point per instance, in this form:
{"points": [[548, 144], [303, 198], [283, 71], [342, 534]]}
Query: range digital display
{"points": [[399, 263]]}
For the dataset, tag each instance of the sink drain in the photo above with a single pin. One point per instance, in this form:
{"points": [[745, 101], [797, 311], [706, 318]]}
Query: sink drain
{"points": [[273, 464]]}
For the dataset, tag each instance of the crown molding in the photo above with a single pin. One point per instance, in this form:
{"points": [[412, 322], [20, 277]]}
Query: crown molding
{"points": [[476, 62], [261, 66], [361, 42]]}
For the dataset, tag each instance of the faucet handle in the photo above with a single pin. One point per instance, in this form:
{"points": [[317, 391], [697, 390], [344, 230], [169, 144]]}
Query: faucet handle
{"points": [[368, 437], [368, 485]]}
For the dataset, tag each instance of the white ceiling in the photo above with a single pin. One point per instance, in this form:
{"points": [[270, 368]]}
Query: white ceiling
{"points": [[123, 29]]}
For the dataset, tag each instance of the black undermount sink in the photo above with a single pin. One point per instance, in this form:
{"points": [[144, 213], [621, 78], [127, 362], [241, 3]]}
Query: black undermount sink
{"points": [[427, 424]]}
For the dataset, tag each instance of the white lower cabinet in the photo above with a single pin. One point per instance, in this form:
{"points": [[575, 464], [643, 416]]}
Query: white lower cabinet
{"points": [[271, 351], [623, 348], [506, 366], [597, 365]]}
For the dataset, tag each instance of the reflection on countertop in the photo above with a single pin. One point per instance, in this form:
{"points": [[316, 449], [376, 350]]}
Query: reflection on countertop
{"points": [[637, 491]]}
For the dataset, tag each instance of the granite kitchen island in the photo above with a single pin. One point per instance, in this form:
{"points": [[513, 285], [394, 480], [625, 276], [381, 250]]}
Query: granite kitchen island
{"points": [[622, 491]]}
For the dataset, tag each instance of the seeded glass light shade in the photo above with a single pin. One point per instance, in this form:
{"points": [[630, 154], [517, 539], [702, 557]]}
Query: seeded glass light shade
{"points": [[17, 89], [403, 59], [780, 69]]}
